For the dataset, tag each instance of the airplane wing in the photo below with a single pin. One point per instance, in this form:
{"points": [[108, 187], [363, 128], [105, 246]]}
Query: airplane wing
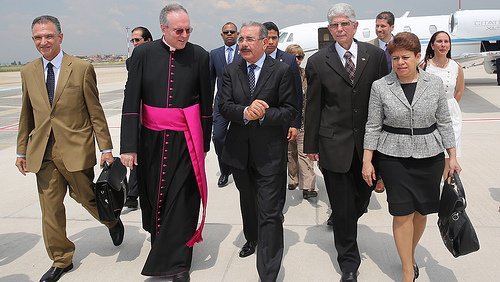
{"points": [[487, 59]]}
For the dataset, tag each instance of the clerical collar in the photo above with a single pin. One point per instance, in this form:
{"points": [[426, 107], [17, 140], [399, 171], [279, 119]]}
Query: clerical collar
{"points": [[172, 49]]}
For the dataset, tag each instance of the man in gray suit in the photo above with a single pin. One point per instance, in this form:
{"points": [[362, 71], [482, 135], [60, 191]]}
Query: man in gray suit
{"points": [[339, 78]]}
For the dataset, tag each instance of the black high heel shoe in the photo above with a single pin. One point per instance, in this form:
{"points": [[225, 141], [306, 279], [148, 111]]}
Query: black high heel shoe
{"points": [[415, 269]]}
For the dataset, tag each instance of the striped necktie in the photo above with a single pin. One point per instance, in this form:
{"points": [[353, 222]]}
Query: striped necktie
{"points": [[229, 55]]}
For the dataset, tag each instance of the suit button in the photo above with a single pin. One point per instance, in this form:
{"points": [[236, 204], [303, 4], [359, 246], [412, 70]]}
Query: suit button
{"points": [[355, 111], [355, 130]]}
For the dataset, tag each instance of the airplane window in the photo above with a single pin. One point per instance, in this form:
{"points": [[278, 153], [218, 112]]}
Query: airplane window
{"points": [[453, 23], [290, 38], [283, 37], [407, 29], [366, 32], [432, 29]]}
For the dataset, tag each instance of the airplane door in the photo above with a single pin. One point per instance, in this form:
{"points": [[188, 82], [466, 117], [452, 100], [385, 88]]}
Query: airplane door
{"points": [[324, 37]]}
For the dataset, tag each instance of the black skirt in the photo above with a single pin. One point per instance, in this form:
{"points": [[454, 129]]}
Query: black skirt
{"points": [[412, 184]]}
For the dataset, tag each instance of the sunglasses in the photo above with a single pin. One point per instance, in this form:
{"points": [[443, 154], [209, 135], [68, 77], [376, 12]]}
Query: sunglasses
{"points": [[229, 31], [180, 31], [299, 57], [135, 40]]}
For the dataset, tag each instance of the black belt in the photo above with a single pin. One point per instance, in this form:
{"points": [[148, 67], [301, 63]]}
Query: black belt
{"points": [[409, 131]]}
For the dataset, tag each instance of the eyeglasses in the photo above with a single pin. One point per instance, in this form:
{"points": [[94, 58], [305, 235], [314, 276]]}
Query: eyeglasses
{"points": [[249, 39], [229, 31], [299, 57], [135, 40], [180, 31], [343, 24]]}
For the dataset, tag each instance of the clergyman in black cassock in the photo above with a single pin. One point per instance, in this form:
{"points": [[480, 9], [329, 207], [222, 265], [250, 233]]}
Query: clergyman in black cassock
{"points": [[169, 84]]}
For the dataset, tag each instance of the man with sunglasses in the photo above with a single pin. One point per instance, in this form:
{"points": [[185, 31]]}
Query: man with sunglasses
{"points": [[219, 58], [140, 35], [339, 79], [168, 93], [258, 97]]}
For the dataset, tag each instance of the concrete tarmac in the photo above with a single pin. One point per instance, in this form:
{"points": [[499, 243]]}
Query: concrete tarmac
{"points": [[309, 253]]}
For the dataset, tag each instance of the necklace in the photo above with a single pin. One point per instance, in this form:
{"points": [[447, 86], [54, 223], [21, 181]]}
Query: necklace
{"points": [[440, 65]]}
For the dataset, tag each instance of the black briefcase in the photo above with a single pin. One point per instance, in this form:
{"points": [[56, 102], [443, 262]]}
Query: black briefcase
{"points": [[111, 190]]}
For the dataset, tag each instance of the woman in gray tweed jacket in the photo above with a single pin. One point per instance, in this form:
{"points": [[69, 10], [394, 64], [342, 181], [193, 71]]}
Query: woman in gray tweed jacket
{"points": [[409, 126]]}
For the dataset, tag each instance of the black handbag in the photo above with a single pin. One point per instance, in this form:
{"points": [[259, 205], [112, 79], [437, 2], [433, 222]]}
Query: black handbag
{"points": [[111, 190], [455, 227]]}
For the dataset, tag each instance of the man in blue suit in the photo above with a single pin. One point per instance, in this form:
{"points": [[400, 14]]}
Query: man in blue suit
{"points": [[292, 128], [219, 58]]}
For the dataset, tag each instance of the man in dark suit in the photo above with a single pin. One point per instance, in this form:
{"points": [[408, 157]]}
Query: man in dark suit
{"points": [[258, 97], [293, 128], [140, 35], [219, 58], [60, 115], [339, 79]]}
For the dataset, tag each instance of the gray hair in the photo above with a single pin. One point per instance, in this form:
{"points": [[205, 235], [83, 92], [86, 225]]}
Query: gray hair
{"points": [[45, 19], [341, 9], [170, 8], [263, 29]]}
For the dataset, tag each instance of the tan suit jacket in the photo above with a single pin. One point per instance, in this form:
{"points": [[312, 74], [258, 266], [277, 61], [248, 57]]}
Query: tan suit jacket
{"points": [[74, 118], [374, 42]]}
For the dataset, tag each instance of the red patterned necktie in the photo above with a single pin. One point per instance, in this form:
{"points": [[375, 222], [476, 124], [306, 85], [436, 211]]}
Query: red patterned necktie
{"points": [[349, 65]]}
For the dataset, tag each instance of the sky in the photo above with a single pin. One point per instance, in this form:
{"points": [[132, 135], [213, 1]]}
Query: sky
{"points": [[99, 26]]}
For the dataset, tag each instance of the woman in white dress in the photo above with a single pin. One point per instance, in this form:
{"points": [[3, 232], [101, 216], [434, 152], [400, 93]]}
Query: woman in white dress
{"points": [[438, 61]]}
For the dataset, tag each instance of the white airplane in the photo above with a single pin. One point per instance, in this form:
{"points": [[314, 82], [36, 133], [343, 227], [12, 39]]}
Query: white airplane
{"points": [[475, 35]]}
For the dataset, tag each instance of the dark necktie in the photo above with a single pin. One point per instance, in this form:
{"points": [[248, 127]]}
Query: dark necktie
{"points": [[229, 55], [388, 58], [251, 78], [349, 65], [51, 82]]}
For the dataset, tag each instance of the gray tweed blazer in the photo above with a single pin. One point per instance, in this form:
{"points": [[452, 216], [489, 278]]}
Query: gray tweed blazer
{"points": [[389, 105]]}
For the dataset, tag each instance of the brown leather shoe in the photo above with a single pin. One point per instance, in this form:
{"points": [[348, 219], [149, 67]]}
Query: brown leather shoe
{"points": [[379, 188]]}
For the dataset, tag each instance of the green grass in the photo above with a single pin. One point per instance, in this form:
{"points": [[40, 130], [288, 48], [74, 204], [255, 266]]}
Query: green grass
{"points": [[10, 68]]}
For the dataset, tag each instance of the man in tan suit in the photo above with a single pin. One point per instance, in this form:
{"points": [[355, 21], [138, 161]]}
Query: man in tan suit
{"points": [[60, 116]]}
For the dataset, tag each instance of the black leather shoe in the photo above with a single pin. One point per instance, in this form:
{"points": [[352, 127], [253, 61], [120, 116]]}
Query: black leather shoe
{"points": [[292, 186], [182, 277], [55, 273], [131, 202], [306, 194], [329, 222], [117, 232], [349, 277], [223, 180], [248, 249]]}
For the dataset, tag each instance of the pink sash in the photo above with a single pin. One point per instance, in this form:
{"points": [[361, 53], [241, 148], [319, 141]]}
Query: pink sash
{"points": [[189, 121]]}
